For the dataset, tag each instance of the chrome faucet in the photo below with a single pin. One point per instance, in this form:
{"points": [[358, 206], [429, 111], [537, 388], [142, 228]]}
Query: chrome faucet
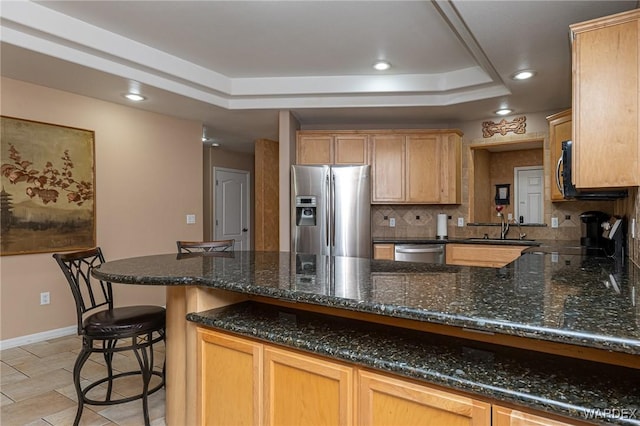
{"points": [[521, 235], [504, 226]]}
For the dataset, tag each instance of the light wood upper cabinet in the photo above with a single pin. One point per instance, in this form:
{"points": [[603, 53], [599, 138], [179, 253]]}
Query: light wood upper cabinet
{"points": [[605, 101], [314, 148], [416, 168], [559, 131], [385, 400], [388, 168], [350, 149]]}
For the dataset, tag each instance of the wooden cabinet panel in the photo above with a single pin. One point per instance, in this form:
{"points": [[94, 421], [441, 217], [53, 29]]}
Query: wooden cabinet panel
{"points": [[388, 163], [494, 256], [605, 101], [384, 251], [424, 157], [304, 390], [351, 149], [503, 416], [314, 149], [229, 380], [559, 131], [387, 401], [450, 168]]}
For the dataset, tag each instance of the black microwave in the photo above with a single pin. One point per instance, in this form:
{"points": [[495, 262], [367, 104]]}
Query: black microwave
{"points": [[568, 189]]}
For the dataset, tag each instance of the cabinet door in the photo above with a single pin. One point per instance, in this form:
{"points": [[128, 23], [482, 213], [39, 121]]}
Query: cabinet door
{"points": [[451, 168], [423, 159], [503, 416], [605, 102], [351, 149], [384, 251], [559, 131], [494, 256], [388, 164], [314, 149], [229, 380], [304, 390], [387, 401]]}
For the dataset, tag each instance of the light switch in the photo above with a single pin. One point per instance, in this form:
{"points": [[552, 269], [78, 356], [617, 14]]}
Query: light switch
{"points": [[554, 222], [191, 219], [460, 222]]}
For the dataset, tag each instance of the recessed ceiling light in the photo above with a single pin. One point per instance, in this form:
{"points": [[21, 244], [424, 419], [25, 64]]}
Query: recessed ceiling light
{"points": [[215, 144], [504, 111], [381, 65], [523, 75], [135, 97]]}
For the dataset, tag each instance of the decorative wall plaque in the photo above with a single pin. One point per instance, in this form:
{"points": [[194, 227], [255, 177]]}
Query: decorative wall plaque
{"points": [[518, 126]]}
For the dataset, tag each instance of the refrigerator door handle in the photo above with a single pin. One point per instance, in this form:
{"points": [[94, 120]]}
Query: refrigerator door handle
{"points": [[333, 212], [327, 216]]}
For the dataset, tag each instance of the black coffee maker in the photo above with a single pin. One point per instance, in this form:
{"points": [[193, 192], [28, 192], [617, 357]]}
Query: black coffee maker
{"points": [[592, 237]]}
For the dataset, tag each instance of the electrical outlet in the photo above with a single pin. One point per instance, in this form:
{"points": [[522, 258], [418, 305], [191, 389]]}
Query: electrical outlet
{"points": [[510, 216], [191, 219], [45, 298], [460, 222], [554, 222], [392, 222]]}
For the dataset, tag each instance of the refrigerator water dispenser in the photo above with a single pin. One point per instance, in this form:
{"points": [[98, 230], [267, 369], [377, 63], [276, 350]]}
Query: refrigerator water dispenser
{"points": [[306, 210]]}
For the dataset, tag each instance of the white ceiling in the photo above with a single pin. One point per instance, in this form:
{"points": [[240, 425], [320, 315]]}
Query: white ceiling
{"points": [[234, 64]]}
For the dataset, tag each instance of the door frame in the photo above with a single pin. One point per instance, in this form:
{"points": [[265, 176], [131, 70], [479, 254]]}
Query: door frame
{"points": [[516, 195], [247, 174]]}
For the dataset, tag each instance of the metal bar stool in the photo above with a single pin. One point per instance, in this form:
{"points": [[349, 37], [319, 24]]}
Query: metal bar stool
{"points": [[204, 246], [108, 330]]}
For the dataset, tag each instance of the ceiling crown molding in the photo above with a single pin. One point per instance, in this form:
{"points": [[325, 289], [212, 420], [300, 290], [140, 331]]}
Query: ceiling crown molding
{"points": [[34, 27]]}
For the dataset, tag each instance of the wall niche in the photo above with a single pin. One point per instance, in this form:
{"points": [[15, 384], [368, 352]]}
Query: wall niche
{"points": [[495, 164]]}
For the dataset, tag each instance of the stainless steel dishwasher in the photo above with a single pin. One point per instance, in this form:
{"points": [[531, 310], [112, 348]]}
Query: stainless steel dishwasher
{"points": [[425, 253]]}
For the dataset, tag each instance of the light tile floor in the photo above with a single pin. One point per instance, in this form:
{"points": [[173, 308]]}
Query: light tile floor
{"points": [[36, 387]]}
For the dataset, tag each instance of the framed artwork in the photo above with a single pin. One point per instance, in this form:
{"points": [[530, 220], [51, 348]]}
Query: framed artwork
{"points": [[47, 197], [502, 194]]}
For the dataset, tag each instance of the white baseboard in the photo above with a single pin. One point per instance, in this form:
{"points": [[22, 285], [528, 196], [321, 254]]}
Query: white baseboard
{"points": [[38, 337]]}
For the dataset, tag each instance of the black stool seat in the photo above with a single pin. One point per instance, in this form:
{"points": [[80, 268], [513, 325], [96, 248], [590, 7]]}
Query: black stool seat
{"points": [[108, 330], [128, 320]]}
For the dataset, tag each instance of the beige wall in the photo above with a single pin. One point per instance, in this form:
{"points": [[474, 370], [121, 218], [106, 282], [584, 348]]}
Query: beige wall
{"points": [[148, 178], [218, 157]]}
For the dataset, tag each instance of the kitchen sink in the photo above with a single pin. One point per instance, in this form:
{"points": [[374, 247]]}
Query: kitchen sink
{"points": [[506, 241]]}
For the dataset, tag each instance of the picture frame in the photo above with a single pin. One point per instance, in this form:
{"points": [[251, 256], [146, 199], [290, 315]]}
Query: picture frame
{"points": [[503, 194], [47, 192]]}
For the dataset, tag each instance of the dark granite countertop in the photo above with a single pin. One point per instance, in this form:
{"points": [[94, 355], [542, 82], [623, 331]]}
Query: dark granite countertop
{"points": [[543, 382], [569, 298]]}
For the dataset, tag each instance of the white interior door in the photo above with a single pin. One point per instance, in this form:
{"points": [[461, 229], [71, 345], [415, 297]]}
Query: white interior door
{"points": [[231, 220], [529, 182]]}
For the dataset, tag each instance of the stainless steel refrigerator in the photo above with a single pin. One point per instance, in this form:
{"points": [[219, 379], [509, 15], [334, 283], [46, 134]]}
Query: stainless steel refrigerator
{"points": [[331, 210]]}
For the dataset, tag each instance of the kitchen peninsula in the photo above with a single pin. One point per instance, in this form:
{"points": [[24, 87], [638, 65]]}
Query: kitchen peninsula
{"points": [[551, 337]]}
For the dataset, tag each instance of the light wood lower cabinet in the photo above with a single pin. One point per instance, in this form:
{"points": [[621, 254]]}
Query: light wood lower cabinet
{"points": [[388, 401], [384, 251], [503, 416], [229, 380], [304, 390], [244, 382], [494, 256]]}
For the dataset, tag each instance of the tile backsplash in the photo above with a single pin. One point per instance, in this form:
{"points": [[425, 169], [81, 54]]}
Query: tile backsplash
{"points": [[420, 221]]}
